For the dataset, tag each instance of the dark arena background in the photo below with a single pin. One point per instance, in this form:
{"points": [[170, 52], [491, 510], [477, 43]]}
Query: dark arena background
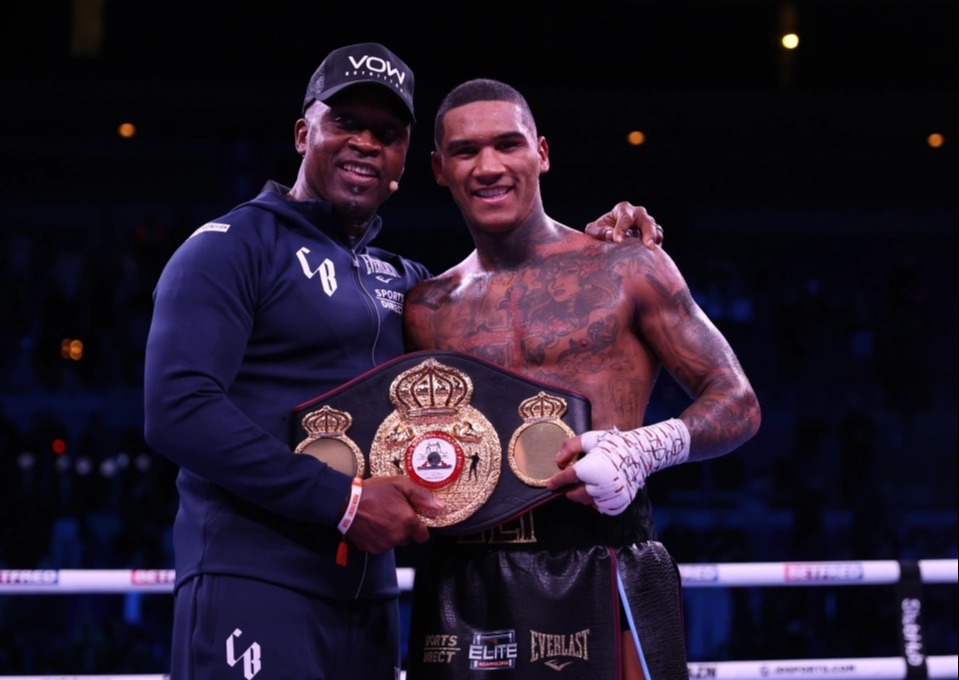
{"points": [[808, 195]]}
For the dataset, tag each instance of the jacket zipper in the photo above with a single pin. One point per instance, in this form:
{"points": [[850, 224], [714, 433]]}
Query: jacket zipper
{"points": [[371, 302]]}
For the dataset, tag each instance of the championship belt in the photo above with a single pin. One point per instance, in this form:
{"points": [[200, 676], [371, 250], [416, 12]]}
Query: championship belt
{"points": [[481, 438]]}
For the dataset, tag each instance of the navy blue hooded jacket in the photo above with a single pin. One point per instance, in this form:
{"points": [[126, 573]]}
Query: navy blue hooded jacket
{"points": [[255, 313]]}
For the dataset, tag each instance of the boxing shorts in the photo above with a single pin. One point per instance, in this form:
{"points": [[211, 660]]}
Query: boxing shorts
{"points": [[534, 613]]}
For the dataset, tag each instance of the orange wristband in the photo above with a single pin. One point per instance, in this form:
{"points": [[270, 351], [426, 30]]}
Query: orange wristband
{"points": [[356, 490], [352, 505]]}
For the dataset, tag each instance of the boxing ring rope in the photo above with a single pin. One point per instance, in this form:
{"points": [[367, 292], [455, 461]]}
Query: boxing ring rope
{"points": [[914, 664]]}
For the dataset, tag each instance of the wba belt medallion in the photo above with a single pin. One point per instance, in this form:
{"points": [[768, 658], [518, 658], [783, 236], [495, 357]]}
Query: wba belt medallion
{"points": [[439, 440], [327, 441], [534, 444]]}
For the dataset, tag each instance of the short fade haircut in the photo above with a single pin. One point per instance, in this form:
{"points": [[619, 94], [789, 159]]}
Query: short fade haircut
{"points": [[479, 90]]}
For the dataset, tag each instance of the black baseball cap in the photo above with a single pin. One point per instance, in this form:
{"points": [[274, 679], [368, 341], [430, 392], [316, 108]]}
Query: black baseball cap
{"points": [[361, 63]]}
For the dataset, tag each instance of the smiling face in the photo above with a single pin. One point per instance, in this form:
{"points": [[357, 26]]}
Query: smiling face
{"points": [[353, 146], [491, 158]]}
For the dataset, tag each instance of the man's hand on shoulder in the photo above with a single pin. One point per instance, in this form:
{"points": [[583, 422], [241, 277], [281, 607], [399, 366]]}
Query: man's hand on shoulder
{"points": [[626, 220]]}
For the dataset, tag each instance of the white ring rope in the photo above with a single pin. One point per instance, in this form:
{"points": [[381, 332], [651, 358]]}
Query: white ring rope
{"points": [[730, 575], [840, 573], [878, 668]]}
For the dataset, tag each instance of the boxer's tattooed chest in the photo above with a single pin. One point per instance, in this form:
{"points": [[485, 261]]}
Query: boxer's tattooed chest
{"points": [[561, 308]]}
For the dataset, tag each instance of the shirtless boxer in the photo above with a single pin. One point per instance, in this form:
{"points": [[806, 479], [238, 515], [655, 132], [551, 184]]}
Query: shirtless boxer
{"points": [[542, 300]]}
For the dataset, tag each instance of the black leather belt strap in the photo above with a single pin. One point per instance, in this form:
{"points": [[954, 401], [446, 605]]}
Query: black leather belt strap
{"points": [[480, 437]]}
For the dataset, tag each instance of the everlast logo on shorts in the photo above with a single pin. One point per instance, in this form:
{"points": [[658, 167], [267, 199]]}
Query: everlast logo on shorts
{"points": [[552, 648]]}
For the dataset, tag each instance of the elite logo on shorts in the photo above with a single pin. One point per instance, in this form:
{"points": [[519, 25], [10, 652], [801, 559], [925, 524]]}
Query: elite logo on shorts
{"points": [[250, 657], [493, 650]]}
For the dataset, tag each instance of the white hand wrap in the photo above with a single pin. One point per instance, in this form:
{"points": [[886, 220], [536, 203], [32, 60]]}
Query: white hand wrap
{"points": [[617, 464]]}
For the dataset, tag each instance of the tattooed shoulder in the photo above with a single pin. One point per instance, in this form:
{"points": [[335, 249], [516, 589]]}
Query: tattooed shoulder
{"points": [[430, 293]]}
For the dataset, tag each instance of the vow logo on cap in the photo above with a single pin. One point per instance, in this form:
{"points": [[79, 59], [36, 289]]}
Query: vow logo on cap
{"points": [[378, 65]]}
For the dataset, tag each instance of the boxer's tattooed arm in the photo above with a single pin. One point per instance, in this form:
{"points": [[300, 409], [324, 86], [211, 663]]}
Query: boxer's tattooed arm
{"points": [[725, 412]]}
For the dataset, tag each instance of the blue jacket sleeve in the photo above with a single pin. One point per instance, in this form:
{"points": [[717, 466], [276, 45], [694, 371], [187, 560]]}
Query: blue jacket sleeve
{"points": [[205, 304]]}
